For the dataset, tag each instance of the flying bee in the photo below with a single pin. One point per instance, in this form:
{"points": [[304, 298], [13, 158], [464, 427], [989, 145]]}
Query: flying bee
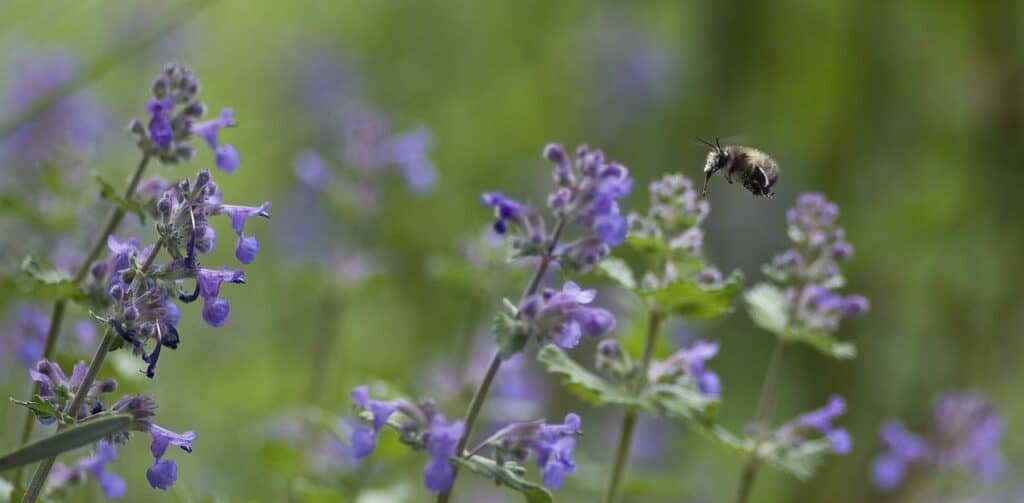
{"points": [[756, 170]]}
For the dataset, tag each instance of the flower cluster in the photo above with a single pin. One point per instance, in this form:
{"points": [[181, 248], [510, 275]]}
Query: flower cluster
{"points": [[587, 191], [689, 362], [56, 389], [674, 218], [819, 420], [966, 434], [173, 115], [422, 427], [562, 316], [811, 268], [144, 293], [552, 444]]}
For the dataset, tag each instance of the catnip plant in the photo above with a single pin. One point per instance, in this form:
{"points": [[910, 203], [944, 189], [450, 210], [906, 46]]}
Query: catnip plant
{"points": [[136, 297], [586, 196]]}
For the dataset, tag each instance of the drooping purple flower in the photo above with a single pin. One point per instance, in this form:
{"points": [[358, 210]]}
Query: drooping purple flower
{"points": [[562, 316], [247, 246], [225, 156], [819, 420], [554, 445], [441, 442], [113, 486], [364, 439], [163, 472], [216, 308]]}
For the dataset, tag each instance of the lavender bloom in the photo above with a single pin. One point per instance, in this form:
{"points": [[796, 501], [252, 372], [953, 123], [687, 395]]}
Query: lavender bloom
{"points": [[553, 445], [112, 485], [819, 420], [410, 152], [562, 316], [225, 156], [690, 362], [820, 244], [163, 472], [247, 247], [588, 191], [215, 308], [820, 308], [364, 440], [441, 442], [966, 434]]}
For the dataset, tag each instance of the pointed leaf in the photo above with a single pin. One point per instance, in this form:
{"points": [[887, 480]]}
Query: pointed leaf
{"points": [[108, 192], [42, 408], [618, 271], [71, 438], [50, 283], [584, 383], [506, 476], [693, 300]]}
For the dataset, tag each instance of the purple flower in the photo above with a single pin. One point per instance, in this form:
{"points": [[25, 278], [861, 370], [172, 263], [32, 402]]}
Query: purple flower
{"points": [[441, 442], [820, 243], [904, 448], [163, 472], [554, 445], [226, 156], [159, 126], [690, 362], [410, 152], [247, 246], [112, 485], [364, 440], [562, 316], [312, 170], [820, 308], [588, 191], [819, 420], [215, 308]]}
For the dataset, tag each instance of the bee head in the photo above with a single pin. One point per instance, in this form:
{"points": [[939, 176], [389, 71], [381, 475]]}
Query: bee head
{"points": [[718, 158]]}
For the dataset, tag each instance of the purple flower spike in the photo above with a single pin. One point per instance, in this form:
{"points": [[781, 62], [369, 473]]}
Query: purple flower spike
{"points": [[441, 442]]}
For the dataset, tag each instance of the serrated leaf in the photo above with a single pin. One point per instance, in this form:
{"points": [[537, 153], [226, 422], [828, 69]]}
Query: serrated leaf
{"points": [[40, 407], [68, 439], [691, 299], [510, 337], [50, 283], [618, 271], [678, 401], [502, 475], [584, 383], [109, 193], [768, 308]]}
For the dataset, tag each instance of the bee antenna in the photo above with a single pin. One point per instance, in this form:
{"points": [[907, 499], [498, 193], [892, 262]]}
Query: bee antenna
{"points": [[702, 140], [717, 144]]}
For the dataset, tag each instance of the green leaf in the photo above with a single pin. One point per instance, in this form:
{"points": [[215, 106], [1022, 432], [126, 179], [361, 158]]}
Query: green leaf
{"points": [[509, 335], [693, 300], [618, 271], [768, 308], [42, 408], [648, 244], [108, 192], [506, 476], [584, 383], [800, 461], [71, 438], [50, 283], [679, 401]]}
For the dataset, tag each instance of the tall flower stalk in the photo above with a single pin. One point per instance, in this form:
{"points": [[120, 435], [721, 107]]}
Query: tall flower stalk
{"points": [[804, 307]]}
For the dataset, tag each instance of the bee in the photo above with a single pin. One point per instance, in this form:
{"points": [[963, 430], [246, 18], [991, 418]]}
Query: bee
{"points": [[756, 170]]}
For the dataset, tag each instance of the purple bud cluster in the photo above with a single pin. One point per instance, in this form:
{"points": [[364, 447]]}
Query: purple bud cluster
{"points": [[966, 434], [674, 218], [811, 267], [422, 426], [820, 421], [174, 114], [143, 293], [587, 193], [57, 389], [689, 363], [562, 316]]}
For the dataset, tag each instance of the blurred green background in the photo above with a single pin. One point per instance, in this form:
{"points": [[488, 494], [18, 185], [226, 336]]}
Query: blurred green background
{"points": [[909, 115]]}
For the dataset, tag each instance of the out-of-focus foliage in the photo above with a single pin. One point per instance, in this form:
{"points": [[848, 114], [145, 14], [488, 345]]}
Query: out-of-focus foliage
{"points": [[909, 116]]}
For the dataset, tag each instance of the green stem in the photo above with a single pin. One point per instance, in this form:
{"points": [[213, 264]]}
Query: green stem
{"points": [[629, 420], [485, 385], [60, 306], [765, 407], [35, 487]]}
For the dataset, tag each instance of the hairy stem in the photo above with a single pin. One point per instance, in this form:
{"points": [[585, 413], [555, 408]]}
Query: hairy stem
{"points": [[765, 406], [35, 487], [629, 420], [60, 306], [485, 385]]}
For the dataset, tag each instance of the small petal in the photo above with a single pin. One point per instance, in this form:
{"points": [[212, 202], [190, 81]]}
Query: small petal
{"points": [[215, 311], [162, 474]]}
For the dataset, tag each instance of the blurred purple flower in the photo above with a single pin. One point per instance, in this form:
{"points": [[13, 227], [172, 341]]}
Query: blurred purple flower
{"points": [[819, 420], [112, 485], [441, 442]]}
